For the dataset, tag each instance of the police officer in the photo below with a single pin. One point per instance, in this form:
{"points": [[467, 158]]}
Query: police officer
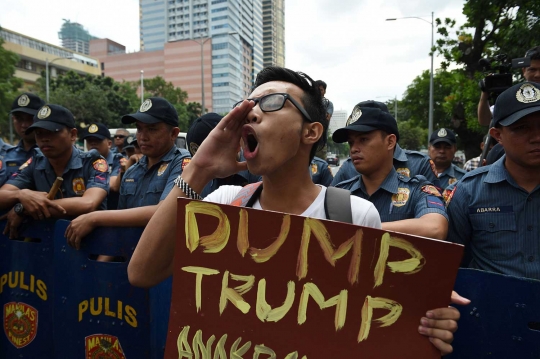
{"points": [[442, 148], [85, 174], [494, 209], [406, 162], [320, 172], [119, 139], [98, 137], [23, 110], [406, 204], [147, 182], [196, 134]]}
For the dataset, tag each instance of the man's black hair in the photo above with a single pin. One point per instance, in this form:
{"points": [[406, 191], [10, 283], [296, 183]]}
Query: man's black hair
{"points": [[533, 53], [311, 98], [319, 83]]}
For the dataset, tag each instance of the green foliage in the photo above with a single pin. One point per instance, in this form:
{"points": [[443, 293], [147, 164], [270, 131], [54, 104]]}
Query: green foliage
{"points": [[411, 137], [341, 149], [8, 86]]}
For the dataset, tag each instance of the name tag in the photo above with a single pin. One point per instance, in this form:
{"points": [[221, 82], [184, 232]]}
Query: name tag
{"points": [[498, 209], [130, 180]]}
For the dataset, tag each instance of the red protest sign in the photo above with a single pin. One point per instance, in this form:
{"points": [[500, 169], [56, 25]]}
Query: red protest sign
{"points": [[257, 284]]}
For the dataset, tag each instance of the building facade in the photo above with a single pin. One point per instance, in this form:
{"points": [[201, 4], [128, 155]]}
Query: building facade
{"points": [[338, 120], [274, 33], [74, 37], [233, 27], [34, 54]]}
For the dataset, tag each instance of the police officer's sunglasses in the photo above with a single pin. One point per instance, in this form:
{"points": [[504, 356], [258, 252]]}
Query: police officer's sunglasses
{"points": [[275, 102]]}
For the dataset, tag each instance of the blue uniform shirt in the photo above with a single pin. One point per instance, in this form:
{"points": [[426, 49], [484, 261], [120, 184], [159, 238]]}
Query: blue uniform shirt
{"points": [[407, 163], [113, 160], [15, 157], [399, 197], [450, 176], [84, 170], [4, 147], [497, 221], [320, 172], [143, 186]]}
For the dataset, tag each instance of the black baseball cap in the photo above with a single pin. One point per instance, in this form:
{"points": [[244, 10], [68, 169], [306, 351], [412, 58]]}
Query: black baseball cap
{"points": [[53, 118], [374, 104], [517, 102], [367, 119], [97, 130], [129, 142], [443, 135], [200, 129], [27, 103], [154, 110]]}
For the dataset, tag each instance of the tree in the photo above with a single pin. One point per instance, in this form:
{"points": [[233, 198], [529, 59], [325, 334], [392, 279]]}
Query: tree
{"points": [[91, 98], [411, 137], [9, 85]]}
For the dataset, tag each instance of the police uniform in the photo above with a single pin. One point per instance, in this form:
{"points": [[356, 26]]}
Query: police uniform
{"points": [[399, 197], [4, 147], [408, 163], [143, 186], [451, 175], [84, 170], [15, 157], [320, 172], [495, 218]]}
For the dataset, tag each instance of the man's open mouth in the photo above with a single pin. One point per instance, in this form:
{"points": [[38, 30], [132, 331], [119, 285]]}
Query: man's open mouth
{"points": [[251, 143]]}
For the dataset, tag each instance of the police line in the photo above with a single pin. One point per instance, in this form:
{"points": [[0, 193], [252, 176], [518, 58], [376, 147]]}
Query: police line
{"points": [[60, 303]]}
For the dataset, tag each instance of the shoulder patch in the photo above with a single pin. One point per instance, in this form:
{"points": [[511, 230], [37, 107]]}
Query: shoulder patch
{"points": [[433, 168], [448, 194], [100, 165], [434, 202], [185, 162], [431, 190]]}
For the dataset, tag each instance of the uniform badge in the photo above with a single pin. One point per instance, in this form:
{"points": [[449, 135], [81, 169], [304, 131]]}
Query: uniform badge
{"points": [[313, 168], [355, 115], [146, 105], [404, 172], [527, 93], [432, 190], [24, 165], [78, 186], [20, 323], [185, 162], [92, 129], [442, 132], [433, 168], [23, 101], [162, 168], [100, 165], [400, 199], [44, 112], [103, 346], [448, 194], [193, 147], [452, 180]]}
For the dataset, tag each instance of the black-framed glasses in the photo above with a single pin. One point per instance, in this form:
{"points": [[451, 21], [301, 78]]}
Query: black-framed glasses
{"points": [[275, 102]]}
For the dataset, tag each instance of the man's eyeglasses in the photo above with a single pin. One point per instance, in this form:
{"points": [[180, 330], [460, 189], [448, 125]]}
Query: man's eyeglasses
{"points": [[275, 102], [119, 136]]}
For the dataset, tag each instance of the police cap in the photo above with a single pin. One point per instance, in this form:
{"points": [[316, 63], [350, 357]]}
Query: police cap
{"points": [[53, 118], [154, 110]]}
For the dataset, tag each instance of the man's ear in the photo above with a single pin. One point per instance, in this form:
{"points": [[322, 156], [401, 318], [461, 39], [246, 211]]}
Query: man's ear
{"points": [[496, 134], [312, 132], [73, 134], [391, 141]]}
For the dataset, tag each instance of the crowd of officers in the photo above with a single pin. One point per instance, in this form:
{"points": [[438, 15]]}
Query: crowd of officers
{"points": [[492, 210]]}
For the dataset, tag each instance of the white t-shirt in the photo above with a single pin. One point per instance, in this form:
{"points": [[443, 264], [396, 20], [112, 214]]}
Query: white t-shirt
{"points": [[364, 212]]}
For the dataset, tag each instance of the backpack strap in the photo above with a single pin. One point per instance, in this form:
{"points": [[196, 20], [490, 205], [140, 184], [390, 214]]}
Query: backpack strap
{"points": [[247, 195], [337, 205]]}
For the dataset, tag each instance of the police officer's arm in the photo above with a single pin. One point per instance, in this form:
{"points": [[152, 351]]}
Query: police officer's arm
{"points": [[345, 172], [76, 206], [115, 178], [431, 225], [459, 230], [152, 260], [484, 112], [326, 175]]}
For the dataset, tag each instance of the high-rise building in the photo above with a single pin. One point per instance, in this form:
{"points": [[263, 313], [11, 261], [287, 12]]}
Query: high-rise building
{"points": [[234, 28], [338, 120], [75, 37], [274, 33]]}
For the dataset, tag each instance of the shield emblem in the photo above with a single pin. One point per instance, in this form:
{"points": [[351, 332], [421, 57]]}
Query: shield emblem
{"points": [[103, 346], [20, 323]]}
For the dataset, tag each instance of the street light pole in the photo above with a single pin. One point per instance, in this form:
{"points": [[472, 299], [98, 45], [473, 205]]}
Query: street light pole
{"points": [[142, 87], [201, 42], [432, 23], [47, 62]]}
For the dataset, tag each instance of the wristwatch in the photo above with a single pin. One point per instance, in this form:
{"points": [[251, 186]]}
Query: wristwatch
{"points": [[19, 209]]}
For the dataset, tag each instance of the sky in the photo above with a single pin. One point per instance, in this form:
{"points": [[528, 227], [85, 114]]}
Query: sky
{"points": [[346, 43]]}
